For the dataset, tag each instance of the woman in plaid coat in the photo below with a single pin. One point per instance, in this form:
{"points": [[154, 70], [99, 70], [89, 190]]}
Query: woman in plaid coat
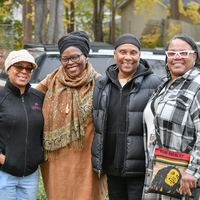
{"points": [[174, 111]]}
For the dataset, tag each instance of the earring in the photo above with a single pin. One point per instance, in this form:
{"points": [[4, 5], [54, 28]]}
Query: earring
{"points": [[110, 60], [86, 63]]}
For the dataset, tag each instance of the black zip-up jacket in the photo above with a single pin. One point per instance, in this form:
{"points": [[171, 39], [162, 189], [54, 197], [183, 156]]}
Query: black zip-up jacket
{"points": [[118, 125], [21, 128]]}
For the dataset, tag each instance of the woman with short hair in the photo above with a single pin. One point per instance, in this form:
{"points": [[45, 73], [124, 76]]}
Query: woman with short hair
{"points": [[119, 99]]}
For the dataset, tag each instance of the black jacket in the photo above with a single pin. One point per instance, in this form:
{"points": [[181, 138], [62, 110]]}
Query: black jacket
{"points": [[117, 116], [21, 128]]}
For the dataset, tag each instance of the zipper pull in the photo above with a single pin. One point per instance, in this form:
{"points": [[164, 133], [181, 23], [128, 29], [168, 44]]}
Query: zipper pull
{"points": [[99, 174], [22, 99]]}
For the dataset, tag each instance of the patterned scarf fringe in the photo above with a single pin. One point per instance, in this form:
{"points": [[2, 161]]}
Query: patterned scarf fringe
{"points": [[54, 155]]}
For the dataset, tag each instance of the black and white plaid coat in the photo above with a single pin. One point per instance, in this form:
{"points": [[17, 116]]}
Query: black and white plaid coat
{"points": [[178, 119]]}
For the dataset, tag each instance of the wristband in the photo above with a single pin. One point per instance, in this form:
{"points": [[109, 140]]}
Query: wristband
{"points": [[0, 153]]}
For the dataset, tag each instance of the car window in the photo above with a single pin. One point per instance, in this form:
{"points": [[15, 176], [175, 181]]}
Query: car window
{"points": [[49, 64], [3, 74], [198, 45], [157, 66], [100, 64]]}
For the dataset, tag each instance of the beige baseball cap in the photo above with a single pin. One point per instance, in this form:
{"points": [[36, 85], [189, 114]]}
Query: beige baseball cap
{"points": [[18, 56]]}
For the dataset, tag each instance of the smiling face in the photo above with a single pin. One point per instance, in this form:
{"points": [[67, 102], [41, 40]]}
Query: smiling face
{"points": [[74, 69], [127, 57], [179, 66], [20, 79]]}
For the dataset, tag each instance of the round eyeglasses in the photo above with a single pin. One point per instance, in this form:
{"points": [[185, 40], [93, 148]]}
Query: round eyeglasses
{"points": [[182, 54], [20, 68], [74, 58]]}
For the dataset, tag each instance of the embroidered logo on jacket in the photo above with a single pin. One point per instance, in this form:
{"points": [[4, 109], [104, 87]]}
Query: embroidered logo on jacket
{"points": [[36, 107]]}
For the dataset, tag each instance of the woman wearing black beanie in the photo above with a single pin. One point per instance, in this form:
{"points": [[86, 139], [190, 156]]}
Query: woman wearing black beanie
{"points": [[119, 99]]}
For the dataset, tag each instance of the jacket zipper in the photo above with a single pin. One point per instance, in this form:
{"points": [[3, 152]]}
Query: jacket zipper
{"points": [[26, 140], [126, 135], [120, 100]]}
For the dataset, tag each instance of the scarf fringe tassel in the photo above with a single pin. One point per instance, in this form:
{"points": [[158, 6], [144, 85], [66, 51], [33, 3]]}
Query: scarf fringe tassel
{"points": [[75, 145]]}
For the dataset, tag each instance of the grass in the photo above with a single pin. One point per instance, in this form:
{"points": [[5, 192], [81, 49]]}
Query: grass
{"points": [[41, 192]]}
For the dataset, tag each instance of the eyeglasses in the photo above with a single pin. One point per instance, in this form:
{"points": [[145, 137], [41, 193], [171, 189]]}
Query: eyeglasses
{"points": [[74, 58], [182, 54], [20, 68]]}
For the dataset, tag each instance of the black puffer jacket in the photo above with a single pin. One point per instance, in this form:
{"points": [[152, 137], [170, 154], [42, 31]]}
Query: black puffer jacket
{"points": [[21, 128], [117, 117]]}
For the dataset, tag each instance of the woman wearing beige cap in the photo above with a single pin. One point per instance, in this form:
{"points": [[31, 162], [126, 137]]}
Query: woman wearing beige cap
{"points": [[21, 126]]}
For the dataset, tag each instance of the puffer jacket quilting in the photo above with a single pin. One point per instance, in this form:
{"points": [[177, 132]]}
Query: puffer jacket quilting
{"points": [[134, 161]]}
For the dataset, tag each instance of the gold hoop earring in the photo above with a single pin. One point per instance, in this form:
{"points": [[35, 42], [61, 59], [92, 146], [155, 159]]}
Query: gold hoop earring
{"points": [[109, 61]]}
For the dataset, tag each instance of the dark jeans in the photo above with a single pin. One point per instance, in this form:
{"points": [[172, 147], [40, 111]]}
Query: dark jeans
{"points": [[125, 188]]}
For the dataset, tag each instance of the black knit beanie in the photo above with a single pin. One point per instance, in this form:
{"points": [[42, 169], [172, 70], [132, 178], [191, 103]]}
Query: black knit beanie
{"points": [[79, 39], [127, 38]]}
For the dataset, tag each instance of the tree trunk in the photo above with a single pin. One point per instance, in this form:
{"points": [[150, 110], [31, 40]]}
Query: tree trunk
{"points": [[98, 19], [67, 17], [29, 27], [174, 9], [27, 23], [23, 15], [39, 9], [95, 21], [44, 21], [52, 22], [72, 17], [113, 22], [59, 31]]}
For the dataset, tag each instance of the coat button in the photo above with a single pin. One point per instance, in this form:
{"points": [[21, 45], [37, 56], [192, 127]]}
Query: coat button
{"points": [[146, 191], [148, 174], [149, 159]]}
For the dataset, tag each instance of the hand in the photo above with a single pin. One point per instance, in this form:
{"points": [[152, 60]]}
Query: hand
{"points": [[2, 159], [188, 181]]}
